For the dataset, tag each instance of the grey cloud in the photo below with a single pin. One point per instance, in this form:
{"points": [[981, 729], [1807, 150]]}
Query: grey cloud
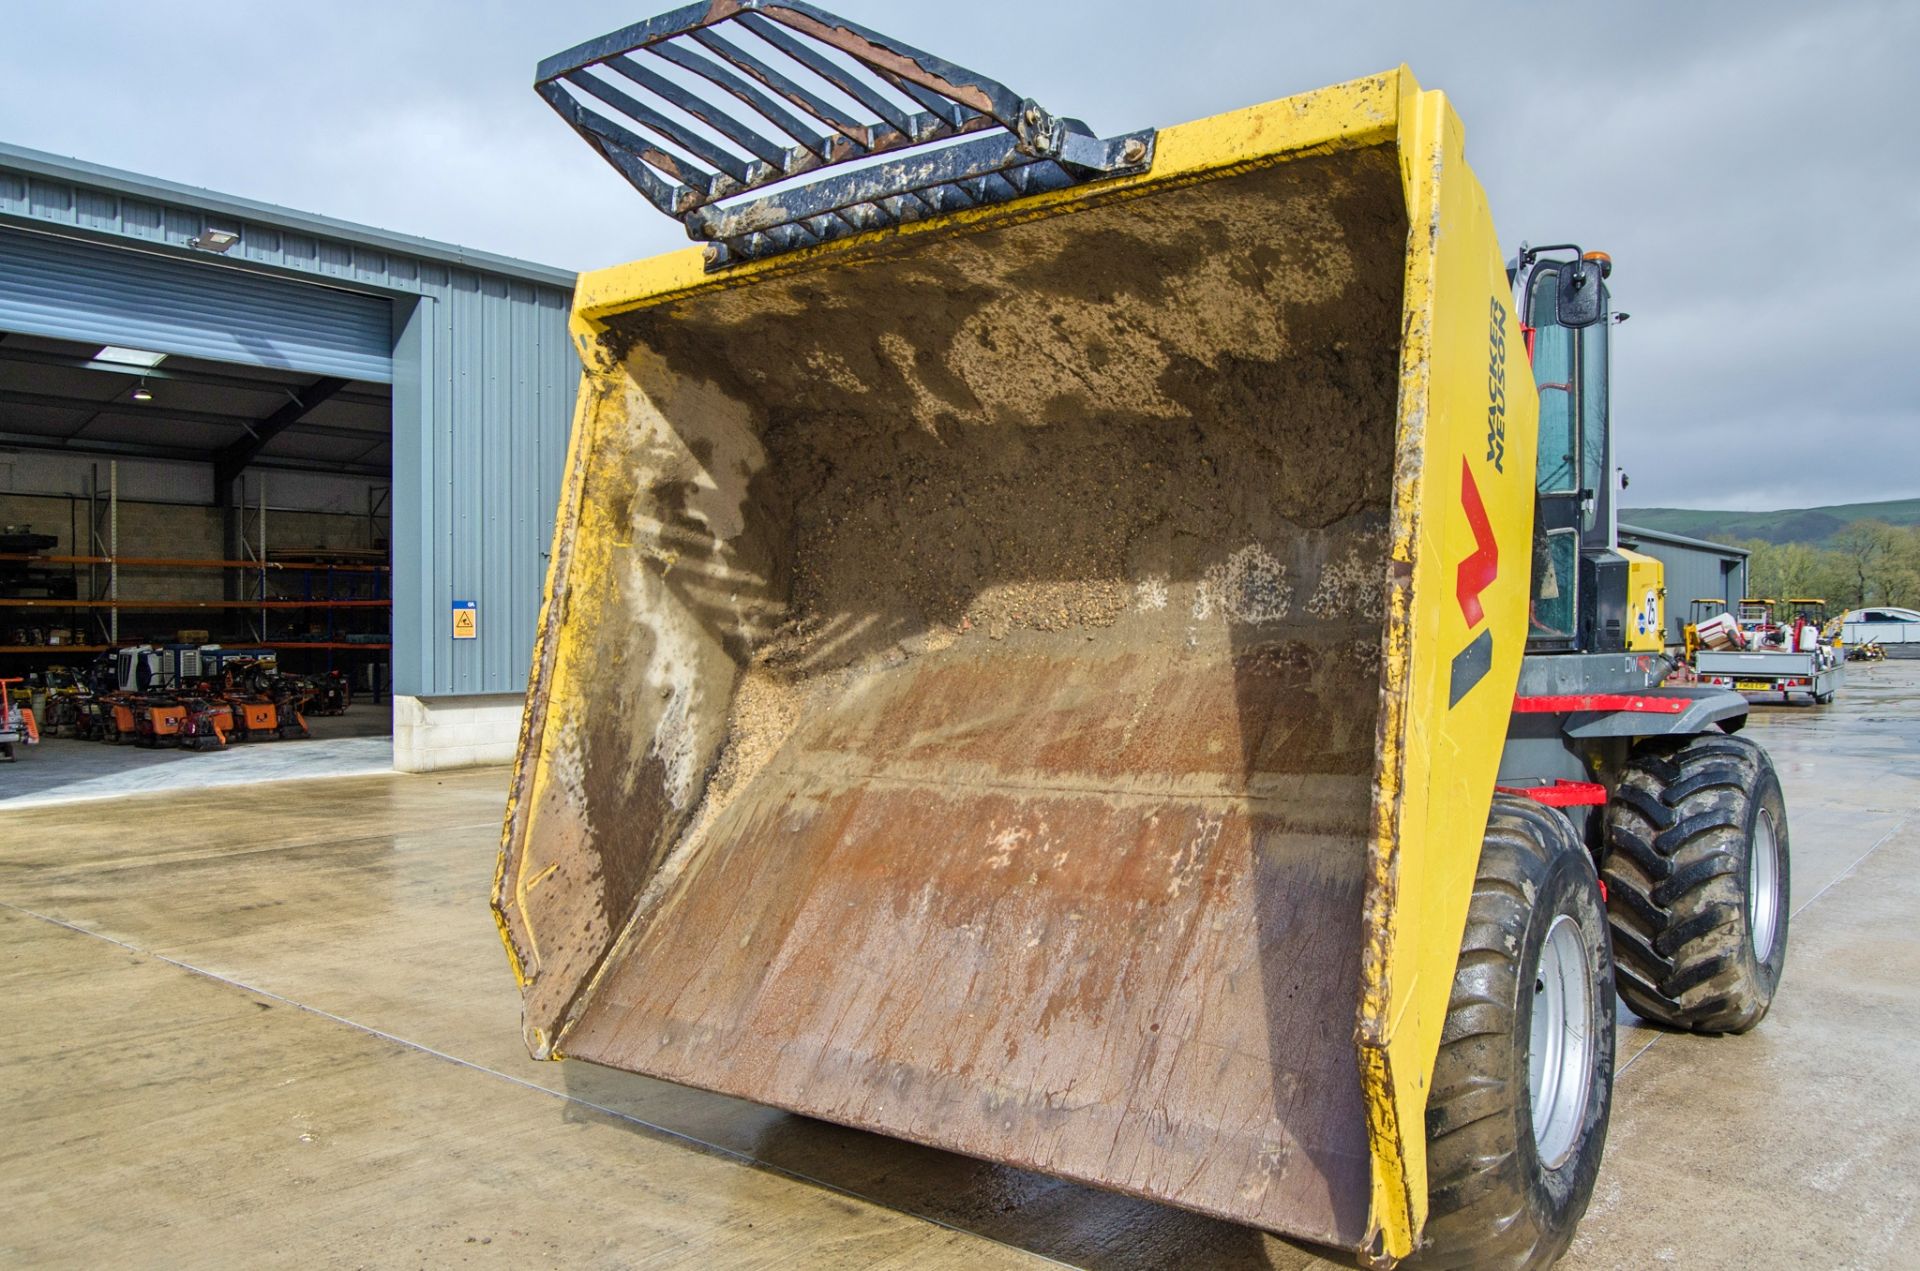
{"points": [[1750, 166]]}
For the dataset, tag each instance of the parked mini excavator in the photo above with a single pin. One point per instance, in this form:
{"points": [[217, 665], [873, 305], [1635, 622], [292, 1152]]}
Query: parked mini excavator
{"points": [[1112, 655]]}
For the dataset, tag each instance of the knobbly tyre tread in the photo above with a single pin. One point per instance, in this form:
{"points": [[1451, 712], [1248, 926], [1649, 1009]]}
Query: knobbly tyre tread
{"points": [[1490, 1204], [1678, 834]]}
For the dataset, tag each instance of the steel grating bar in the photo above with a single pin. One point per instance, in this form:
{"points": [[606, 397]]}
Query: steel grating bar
{"points": [[719, 120], [949, 112], [724, 79], [862, 135], [875, 50], [847, 83], [629, 153], [669, 131]]}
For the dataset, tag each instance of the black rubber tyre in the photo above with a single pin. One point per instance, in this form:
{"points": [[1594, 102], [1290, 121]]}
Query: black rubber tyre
{"points": [[1492, 1201], [1688, 924]]}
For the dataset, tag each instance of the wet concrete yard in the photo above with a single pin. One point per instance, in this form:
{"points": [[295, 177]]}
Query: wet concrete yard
{"points": [[273, 1025]]}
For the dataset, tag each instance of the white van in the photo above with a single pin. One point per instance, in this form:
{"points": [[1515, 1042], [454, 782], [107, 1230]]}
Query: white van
{"points": [[1883, 624]]}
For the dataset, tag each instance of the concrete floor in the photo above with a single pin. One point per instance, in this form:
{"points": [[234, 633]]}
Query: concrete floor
{"points": [[273, 1025], [66, 770]]}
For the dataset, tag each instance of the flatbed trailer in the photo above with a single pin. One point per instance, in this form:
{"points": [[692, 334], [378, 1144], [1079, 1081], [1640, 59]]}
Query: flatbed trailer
{"points": [[1774, 675]]}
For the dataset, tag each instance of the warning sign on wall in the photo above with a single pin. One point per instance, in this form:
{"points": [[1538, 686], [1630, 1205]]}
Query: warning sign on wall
{"points": [[466, 620]]}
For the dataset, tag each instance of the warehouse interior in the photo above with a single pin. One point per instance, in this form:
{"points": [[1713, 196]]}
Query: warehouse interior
{"points": [[121, 533]]}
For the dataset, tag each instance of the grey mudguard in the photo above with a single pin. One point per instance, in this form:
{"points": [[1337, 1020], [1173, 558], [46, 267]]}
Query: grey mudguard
{"points": [[1706, 707]]}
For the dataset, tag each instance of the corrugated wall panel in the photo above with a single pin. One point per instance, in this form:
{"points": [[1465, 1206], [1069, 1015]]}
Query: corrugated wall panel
{"points": [[486, 351], [499, 538], [525, 455], [465, 491], [484, 380], [448, 520], [414, 507], [74, 290]]}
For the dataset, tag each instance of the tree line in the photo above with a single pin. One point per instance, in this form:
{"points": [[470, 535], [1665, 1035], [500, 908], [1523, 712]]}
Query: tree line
{"points": [[1867, 563]]}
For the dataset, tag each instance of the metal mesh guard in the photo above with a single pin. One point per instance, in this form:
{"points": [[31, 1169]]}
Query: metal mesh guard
{"points": [[818, 92]]}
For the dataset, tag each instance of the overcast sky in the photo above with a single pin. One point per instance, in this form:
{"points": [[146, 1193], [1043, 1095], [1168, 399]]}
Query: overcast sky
{"points": [[1754, 168]]}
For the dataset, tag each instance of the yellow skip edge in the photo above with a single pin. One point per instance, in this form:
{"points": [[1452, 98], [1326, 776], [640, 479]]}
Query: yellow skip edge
{"points": [[520, 799], [1439, 757]]}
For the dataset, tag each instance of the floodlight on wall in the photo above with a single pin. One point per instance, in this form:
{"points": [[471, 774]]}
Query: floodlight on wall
{"points": [[214, 240]]}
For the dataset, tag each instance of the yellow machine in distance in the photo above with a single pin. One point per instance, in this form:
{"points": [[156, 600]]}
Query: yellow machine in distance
{"points": [[1647, 601]]}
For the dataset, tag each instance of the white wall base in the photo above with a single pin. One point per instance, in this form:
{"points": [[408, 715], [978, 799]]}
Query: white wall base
{"points": [[432, 733]]}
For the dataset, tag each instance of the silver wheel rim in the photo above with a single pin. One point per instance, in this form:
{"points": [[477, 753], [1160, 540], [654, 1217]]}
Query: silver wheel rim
{"points": [[1560, 1062], [1763, 886]]}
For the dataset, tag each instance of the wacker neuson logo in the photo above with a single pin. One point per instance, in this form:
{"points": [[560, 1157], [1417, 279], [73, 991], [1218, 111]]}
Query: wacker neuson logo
{"points": [[1497, 386]]}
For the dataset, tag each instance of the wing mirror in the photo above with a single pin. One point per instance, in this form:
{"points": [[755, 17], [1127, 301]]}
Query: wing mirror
{"points": [[1582, 299]]}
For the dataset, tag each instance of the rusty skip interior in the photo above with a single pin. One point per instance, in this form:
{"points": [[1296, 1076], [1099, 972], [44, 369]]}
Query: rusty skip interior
{"points": [[965, 726]]}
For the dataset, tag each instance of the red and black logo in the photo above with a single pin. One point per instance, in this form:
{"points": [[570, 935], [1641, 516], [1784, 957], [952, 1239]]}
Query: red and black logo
{"points": [[1477, 572], [1474, 575]]}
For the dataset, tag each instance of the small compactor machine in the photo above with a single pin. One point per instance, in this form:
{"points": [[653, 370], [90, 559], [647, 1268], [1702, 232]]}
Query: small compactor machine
{"points": [[1111, 654]]}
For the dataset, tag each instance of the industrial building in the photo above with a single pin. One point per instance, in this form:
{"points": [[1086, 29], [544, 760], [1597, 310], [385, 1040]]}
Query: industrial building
{"points": [[1695, 570], [228, 423]]}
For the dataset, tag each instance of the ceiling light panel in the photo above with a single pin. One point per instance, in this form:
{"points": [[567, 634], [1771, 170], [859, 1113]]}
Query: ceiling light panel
{"points": [[129, 357]]}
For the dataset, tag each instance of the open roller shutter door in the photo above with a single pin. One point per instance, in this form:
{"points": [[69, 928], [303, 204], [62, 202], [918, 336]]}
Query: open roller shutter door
{"points": [[74, 290]]}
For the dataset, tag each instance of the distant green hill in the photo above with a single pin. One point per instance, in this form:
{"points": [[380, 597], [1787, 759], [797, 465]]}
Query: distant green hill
{"points": [[1794, 525]]}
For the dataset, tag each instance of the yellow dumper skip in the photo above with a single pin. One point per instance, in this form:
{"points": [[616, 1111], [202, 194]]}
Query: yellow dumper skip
{"points": [[1031, 681]]}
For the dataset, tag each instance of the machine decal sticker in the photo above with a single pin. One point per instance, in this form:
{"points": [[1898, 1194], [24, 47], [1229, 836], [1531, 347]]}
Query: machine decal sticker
{"points": [[1647, 620], [1477, 571], [1473, 576], [1470, 666]]}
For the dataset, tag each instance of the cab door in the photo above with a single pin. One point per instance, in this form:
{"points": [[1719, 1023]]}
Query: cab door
{"points": [[1554, 617]]}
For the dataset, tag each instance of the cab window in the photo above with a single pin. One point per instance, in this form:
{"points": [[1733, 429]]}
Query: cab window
{"points": [[1553, 373], [1556, 554], [1593, 417], [1555, 558]]}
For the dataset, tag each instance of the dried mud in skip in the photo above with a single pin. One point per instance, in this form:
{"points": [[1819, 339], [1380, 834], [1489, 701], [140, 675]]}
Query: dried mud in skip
{"points": [[958, 447]]}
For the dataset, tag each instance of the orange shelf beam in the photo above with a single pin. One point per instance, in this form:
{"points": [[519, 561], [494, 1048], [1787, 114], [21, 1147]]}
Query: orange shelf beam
{"points": [[170, 606], [170, 562], [306, 644], [235, 644]]}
